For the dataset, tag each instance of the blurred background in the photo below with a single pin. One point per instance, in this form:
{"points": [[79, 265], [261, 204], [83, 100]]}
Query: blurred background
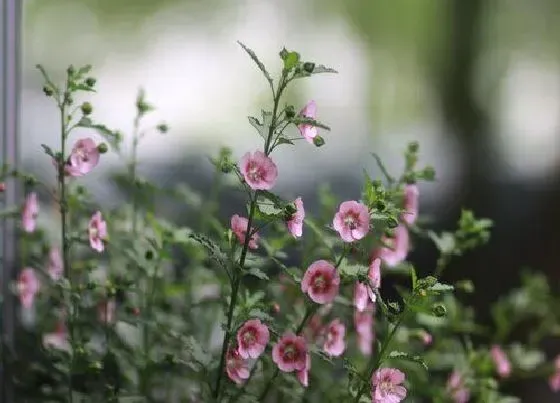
{"points": [[476, 82]]}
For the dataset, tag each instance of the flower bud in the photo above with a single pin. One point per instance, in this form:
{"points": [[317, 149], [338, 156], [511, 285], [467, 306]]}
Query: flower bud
{"points": [[102, 148], [318, 141], [48, 90], [90, 82], [429, 173], [86, 108], [439, 310], [29, 180], [68, 100], [283, 53], [309, 67], [149, 255], [290, 112], [413, 147], [465, 285], [392, 222], [71, 70], [226, 167], [2, 187], [162, 128], [380, 205]]}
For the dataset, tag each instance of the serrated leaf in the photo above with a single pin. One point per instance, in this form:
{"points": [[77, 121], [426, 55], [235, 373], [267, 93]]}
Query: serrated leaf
{"points": [[284, 140], [318, 69], [353, 270], [439, 287], [445, 242], [196, 352], [48, 150], [253, 56], [110, 136], [213, 249], [399, 355]]}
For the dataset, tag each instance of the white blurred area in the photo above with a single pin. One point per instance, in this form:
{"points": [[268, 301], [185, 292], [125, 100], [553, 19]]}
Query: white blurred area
{"points": [[204, 87]]}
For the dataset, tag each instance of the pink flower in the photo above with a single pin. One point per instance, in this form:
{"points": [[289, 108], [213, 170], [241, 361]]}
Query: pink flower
{"points": [[83, 158], [351, 221], [106, 311], [295, 223], [334, 344], [363, 323], [387, 386], [252, 339], [236, 367], [399, 247], [361, 296], [309, 132], [58, 339], [239, 228], [410, 204], [374, 275], [259, 171], [426, 338], [554, 380], [321, 281], [55, 267], [456, 388], [303, 375], [97, 232], [501, 361], [28, 286], [30, 212], [290, 353]]}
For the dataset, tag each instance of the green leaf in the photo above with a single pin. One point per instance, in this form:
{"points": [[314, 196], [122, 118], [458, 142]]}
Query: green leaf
{"points": [[48, 150], [46, 77], [439, 287], [284, 140], [291, 60], [257, 61], [445, 242], [399, 355], [196, 352], [318, 69], [525, 359], [111, 137], [383, 169], [213, 249], [253, 271], [353, 271], [262, 127], [268, 208], [414, 277]]}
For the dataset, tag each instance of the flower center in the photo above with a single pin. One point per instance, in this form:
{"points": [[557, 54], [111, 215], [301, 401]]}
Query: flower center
{"points": [[290, 352], [254, 172], [351, 221], [319, 282], [387, 387], [249, 337]]}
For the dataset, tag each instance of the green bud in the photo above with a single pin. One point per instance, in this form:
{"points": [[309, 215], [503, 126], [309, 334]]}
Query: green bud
{"points": [[48, 90], [413, 147], [226, 167], [102, 148], [29, 180], [309, 67], [290, 209], [318, 141], [429, 173], [68, 100], [80, 190], [465, 285], [86, 108], [439, 310], [118, 136], [376, 184], [162, 128], [149, 255], [392, 222], [380, 205], [71, 70], [90, 82], [283, 53], [290, 112]]}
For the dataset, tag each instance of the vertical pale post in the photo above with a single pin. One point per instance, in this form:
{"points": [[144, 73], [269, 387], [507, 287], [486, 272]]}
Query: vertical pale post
{"points": [[10, 25]]}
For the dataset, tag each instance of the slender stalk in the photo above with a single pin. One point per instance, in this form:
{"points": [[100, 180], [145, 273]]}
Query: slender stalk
{"points": [[237, 271], [132, 173]]}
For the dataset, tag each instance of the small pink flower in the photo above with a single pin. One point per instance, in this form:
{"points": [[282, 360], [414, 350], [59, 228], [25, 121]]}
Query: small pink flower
{"points": [[259, 171], [97, 232], [410, 204], [400, 244], [106, 311], [295, 223], [236, 367], [554, 380], [501, 361], [252, 339], [361, 296], [55, 267], [30, 212], [363, 323], [239, 228], [456, 388], [83, 158], [374, 275], [27, 286], [351, 221], [2, 187], [309, 132], [303, 375], [58, 339], [426, 338], [387, 386], [321, 281], [334, 343], [290, 353]]}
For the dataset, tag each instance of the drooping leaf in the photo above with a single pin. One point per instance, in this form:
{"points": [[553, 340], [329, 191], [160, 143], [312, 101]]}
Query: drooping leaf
{"points": [[260, 64], [399, 355]]}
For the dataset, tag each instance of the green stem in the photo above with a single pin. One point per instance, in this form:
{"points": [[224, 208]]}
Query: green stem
{"points": [[132, 173], [237, 276]]}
